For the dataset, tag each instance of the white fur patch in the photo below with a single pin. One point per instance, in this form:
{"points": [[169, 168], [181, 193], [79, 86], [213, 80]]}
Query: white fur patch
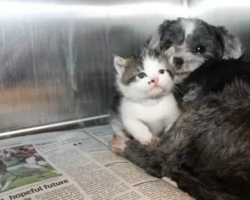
{"points": [[143, 122], [188, 26], [152, 65]]}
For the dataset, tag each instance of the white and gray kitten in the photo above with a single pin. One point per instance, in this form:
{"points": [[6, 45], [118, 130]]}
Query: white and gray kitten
{"points": [[144, 105]]}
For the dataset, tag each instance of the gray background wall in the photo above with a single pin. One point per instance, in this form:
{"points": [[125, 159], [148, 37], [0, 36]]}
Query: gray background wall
{"points": [[56, 56]]}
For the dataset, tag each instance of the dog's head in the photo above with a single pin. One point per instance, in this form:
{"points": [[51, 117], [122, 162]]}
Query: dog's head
{"points": [[189, 42]]}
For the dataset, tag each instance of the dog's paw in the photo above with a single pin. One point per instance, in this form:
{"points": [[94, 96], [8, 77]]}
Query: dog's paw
{"points": [[118, 144]]}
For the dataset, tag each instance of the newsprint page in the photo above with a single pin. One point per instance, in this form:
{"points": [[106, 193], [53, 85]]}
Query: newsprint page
{"points": [[75, 165]]}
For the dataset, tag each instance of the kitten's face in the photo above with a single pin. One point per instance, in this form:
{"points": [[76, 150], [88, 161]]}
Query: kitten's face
{"points": [[144, 76]]}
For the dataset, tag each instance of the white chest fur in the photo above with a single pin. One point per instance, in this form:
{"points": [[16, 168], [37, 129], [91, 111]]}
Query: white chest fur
{"points": [[156, 115]]}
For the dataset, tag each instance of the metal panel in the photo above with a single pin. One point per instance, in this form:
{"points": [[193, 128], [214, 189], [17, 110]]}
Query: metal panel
{"points": [[56, 56], [232, 14]]}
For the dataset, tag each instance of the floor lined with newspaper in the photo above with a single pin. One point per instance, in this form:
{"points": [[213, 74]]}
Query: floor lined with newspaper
{"points": [[75, 165]]}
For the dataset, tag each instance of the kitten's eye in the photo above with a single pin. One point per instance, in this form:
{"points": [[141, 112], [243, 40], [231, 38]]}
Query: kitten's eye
{"points": [[141, 75], [168, 44], [200, 49], [161, 71]]}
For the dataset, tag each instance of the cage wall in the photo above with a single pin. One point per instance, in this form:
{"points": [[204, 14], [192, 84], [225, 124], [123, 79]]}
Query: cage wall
{"points": [[56, 61]]}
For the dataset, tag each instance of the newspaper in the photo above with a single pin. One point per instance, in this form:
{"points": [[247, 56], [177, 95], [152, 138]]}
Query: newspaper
{"points": [[75, 165]]}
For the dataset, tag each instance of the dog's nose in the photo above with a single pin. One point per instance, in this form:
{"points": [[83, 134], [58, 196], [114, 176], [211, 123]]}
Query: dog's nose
{"points": [[178, 61]]}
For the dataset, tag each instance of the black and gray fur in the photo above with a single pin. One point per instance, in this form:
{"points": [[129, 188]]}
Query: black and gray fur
{"points": [[207, 151], [193, 41], [211, 77]]}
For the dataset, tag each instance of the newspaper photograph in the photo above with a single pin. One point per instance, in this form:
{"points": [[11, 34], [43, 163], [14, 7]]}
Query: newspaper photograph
{"points": [[22, 165]]}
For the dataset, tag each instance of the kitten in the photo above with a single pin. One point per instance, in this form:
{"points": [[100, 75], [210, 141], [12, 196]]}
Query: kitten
{"points": [[145, 105]]}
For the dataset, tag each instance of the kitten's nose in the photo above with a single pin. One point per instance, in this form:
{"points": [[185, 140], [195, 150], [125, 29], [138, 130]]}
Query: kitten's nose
{"points": [[155, 80], [178, 62]]}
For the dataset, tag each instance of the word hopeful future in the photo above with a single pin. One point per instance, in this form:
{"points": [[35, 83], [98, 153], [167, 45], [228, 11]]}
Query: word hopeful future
{"points": [[37, 189]]}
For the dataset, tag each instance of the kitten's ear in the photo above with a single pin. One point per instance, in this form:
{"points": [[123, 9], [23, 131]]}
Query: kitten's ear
{"points": [[119, 64]]}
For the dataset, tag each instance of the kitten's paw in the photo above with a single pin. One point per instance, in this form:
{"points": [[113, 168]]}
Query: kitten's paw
{"points": [[118, 144], [146, 139]]}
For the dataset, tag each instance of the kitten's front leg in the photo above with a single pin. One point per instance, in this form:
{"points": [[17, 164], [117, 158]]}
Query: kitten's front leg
{"points": [[139, 131], [151, 159]]}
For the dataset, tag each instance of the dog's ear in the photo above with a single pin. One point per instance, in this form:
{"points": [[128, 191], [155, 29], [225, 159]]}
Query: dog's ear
{"points": [[232, 45], [154, 42]]}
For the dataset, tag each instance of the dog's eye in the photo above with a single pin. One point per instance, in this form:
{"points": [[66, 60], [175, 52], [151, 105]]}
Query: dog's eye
{"points": [[161, 71], [141, 75], [168, 44], [200, 49]]}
